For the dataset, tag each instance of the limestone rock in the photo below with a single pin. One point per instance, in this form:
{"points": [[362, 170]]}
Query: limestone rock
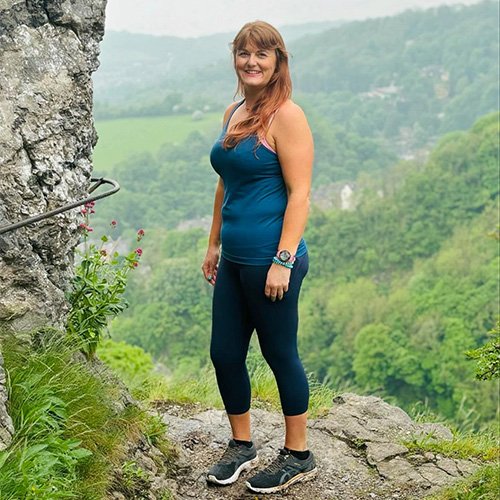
{"points": [[400, 472], [357, 446], [376, 452], [433, 431], [358, 419], [48, 51]]}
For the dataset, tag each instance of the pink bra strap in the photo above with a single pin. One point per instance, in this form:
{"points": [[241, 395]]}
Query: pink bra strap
{"points": [[266, 145], [263, 139]]}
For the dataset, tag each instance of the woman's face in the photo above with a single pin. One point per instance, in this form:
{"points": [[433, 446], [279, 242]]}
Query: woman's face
{"points": [[255, 66]]}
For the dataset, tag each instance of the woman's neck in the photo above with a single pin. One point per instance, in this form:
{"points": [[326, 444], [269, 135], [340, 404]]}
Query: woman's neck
{"points": [[251, 97]]}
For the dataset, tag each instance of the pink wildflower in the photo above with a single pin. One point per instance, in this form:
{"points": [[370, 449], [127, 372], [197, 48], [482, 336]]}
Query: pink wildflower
{"points": [[138, 251], [90, 229], [90, 204], [103, 252], [136, 264], [82, 225], [113, 223], [92, 211], [140, 234], [83, 211]]}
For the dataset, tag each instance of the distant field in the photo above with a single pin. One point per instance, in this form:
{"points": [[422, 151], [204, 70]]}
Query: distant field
{"points": [[118, 139]]}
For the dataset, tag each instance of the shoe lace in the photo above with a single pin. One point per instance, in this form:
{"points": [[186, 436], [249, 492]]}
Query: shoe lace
{"points": [[276, 465], [229, 454]]}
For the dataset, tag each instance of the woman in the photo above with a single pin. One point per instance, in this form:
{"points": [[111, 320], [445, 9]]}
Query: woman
{"points": [[264, 159]]}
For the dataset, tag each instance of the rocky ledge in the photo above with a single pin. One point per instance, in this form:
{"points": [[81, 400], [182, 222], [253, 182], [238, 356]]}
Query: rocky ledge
{"points": [[358, 446]]}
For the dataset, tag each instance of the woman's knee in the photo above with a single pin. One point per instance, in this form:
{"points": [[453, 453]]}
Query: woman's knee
{"points": [[224, 360], [282, 362]]}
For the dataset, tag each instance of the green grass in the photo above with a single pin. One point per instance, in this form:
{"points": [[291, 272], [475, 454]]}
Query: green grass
{"points": [[482, 485], [482, 445], [69, 434], [203, 389], [118, 139]]}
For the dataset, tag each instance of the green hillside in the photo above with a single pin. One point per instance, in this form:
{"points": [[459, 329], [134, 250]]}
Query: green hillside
{"points": [[119, 139], [131, 61], [404, 80], [413, 76]]}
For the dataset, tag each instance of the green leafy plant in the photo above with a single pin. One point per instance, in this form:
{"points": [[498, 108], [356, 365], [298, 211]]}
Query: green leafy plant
{"points": [[155, 429], [129, 362], [488, 357], [96, 294], [134, 482]]}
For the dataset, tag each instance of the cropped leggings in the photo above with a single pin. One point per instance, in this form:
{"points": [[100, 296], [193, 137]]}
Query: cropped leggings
{"points": [[239, 308]]}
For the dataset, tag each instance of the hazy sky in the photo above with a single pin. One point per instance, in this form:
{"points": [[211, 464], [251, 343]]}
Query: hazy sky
{"points": [[191, 18]]}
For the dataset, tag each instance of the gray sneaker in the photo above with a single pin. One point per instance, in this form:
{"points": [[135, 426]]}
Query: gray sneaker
{"points": [[236, 459], [282, 473]]}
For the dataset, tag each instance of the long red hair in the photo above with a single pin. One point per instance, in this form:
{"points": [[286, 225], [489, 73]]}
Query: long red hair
{"points": [[265, 37]]}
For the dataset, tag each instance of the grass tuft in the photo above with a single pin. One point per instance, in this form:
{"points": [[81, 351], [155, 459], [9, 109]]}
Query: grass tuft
{"points": [[69, 434], [204, 390]]}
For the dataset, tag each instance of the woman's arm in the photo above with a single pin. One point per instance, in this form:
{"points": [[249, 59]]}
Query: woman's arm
{"points": [[214, 238], [294, 145], [295, 148], [211, 261]]}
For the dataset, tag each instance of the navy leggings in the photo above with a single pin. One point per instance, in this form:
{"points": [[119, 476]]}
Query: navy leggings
{"points": [[239, 308]]}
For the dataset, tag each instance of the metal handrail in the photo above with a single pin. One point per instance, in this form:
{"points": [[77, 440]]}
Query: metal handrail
{"points": [[98, 181]]}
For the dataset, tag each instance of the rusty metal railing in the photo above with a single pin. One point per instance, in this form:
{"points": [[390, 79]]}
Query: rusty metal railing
{"points": [[98, 182]]}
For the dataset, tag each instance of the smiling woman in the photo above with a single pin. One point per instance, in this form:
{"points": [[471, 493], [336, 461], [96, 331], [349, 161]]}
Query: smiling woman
{"points": [[255, 66], [261, 65], [264, 158]]}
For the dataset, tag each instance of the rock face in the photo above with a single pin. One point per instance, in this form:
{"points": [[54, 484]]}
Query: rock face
{"points": [[357, 446], [48, 51]]}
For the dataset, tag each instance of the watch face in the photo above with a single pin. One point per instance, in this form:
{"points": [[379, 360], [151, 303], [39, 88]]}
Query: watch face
{"points": [[284, 256]]}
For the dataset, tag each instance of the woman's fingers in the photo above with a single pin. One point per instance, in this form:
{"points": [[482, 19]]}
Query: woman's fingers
{"points": [[210, 276], [274, 292], [209, 272], [271, 291]]}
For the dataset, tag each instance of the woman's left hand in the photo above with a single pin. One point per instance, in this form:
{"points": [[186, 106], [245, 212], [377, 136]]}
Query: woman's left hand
{"points": [[277, 281]]}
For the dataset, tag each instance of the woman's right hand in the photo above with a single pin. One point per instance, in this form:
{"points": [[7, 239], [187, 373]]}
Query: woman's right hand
{"points": [[210, 264]]}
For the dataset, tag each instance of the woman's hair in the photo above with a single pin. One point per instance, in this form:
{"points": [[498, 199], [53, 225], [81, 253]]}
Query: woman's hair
{"points": [[265, 37]]}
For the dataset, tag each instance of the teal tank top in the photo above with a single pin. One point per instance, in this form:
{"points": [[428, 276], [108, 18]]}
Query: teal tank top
{"points": [[255, 199]]}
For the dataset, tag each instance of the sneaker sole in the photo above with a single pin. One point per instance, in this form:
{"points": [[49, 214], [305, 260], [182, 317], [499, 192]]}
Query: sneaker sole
{"points": [[302, 477], [251, 464]]}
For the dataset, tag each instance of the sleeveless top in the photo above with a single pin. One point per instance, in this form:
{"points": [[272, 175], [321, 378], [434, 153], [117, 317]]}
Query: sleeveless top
{"points": [[255, 199]]}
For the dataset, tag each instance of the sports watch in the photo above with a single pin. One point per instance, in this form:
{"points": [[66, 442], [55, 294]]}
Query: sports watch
{"points": [[285, 256]]}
